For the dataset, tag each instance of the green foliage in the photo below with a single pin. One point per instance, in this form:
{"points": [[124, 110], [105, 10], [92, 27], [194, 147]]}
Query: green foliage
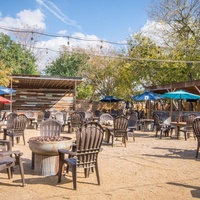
{"points": [[14, 57], [68, 64]]}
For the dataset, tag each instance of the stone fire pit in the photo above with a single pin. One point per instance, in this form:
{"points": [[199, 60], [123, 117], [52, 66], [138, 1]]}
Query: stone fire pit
{"points": [[45, 153]]}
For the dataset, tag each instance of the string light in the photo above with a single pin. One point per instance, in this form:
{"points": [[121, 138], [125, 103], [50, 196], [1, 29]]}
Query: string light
{"points": [[92, 40]]}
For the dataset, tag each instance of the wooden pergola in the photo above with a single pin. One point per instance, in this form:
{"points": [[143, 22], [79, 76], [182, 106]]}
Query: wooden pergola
{"points": [[189, 86]]}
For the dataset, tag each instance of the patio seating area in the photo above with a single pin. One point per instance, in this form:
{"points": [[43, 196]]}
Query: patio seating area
{"points": [[164, 168]]}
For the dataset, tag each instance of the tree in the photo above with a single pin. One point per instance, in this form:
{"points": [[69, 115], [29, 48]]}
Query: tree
{"points": [[5, 74], [68, 63], [181, 19], [21, 61]]}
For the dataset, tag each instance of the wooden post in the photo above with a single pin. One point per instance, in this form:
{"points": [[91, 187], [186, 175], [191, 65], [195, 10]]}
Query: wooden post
{"points": [[75, 95]]}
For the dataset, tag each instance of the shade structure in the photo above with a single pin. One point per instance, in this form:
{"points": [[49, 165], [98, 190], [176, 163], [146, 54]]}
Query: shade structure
{"points": [[5, 90], [146, 96], [180, 95], [4, 100], [110, 99]]}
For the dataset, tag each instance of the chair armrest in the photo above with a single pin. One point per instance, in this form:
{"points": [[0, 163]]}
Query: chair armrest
{"points": [[9, 153], [64, 151], [7, 142]]}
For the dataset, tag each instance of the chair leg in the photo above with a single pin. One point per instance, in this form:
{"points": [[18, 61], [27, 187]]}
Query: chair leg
{"points": [[197, 151], [32, 160], [21, 168], [160, 133], [61, 164], [112, 140], [97, 173], [185, 134], [74, 175], [24, 139], [9, 172]]}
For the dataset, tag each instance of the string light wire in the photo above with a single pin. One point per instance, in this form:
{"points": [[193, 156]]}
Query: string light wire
{"points": [[93, 40]]}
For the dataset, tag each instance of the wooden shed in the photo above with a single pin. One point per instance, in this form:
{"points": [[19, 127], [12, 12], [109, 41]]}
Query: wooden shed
{"points": [[36, 92]]}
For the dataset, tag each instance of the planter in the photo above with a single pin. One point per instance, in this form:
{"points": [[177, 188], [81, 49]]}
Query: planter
{"points": [[45, 153]]}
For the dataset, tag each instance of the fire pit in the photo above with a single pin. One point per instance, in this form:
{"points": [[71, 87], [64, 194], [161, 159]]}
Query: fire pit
{"points": [[45, 150]]}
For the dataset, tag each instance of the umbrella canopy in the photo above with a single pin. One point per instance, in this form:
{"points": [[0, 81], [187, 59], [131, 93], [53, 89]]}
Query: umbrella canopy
{"points": [[4, 100], [180, 94], [146, 96], [110, 99], [5, 90]]}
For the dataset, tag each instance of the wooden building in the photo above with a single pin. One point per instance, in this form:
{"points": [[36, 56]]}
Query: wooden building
{"points": [[36, 92]]}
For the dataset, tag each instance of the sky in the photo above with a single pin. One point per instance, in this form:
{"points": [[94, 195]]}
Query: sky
{"points": [[109, 20]]}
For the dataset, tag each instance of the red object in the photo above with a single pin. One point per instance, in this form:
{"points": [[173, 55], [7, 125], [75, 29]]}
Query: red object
{"points": [[4, 100]]}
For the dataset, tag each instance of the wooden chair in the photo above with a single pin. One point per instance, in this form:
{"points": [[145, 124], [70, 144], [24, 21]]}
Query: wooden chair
{"points": [[17, 128], [120, 129], [88, 116], [76, 121], [40, 119], [88, 145], [8, 161], [196, 129], [105, 117], [188, 128]]}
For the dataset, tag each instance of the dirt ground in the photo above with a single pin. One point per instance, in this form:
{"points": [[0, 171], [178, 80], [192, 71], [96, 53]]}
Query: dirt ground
{"points": [[149, 168]]}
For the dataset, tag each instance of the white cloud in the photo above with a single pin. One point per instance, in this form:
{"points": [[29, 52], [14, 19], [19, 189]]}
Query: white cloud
{"points": [[51, 7], [52, 47], [62, 32], [32, 18], [25, 17], [155, 31]]}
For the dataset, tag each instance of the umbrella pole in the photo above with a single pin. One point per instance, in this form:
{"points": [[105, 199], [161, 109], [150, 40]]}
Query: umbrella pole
{"points": [[171, 108]]}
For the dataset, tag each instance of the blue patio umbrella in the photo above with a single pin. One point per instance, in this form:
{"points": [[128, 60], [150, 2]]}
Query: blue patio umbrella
{"points": [[5, 90], [180, 95], [146, 96], [110, 99]]}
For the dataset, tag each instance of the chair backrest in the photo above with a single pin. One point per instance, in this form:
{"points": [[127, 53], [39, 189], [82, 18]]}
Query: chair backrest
{"points": [[82, 114], [29, 113], [10, 120], [88, 144], [40, 116], [189, 120], [76, 119], [65, 116], [20, 124], [105, 117], [50, 127], [59, 117], [157, 119], [3, 117], [97, 113], [47, 115], [132, 121], [196, 127], [120, 123], [88, 116]]}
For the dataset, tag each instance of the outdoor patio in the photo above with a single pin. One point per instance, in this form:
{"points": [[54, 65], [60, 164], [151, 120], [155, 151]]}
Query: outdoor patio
{"points": [[149, 168]]}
